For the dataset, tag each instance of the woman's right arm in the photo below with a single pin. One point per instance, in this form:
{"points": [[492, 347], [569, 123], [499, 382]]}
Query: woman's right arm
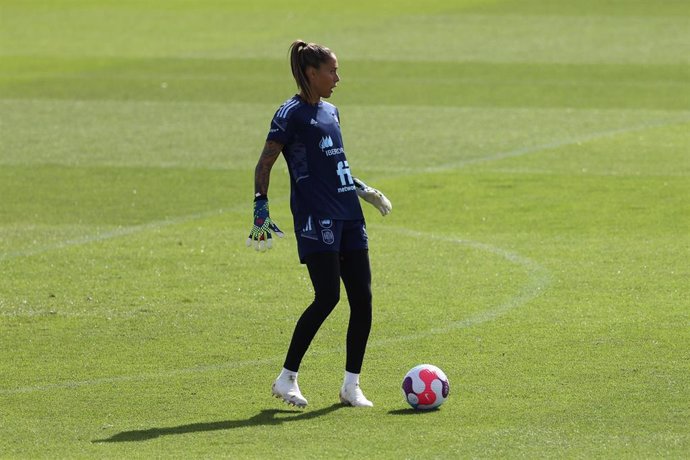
{"points": [[262, 173], [260, 233]]}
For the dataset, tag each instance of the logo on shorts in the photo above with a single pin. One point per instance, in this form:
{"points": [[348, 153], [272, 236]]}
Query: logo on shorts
{"points": [[308, 231], [327, 236], [326, 223]]}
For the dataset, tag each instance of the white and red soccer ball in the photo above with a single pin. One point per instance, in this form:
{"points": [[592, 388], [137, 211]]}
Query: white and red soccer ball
{"points": [[425, 387]]}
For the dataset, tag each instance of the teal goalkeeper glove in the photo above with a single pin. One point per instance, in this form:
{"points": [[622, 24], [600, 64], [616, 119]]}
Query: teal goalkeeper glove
{"points": [[263, 226], [373, 196]]}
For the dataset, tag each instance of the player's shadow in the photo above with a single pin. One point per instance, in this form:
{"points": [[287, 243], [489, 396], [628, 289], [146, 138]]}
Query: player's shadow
{"points": [[265, 417]]}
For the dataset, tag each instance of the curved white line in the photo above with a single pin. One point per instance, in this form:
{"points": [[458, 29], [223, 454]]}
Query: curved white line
{"points": [[539, 278]]}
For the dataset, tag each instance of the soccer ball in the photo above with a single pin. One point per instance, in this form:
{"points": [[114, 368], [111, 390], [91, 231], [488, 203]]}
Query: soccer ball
{"points": [[425, 387]]}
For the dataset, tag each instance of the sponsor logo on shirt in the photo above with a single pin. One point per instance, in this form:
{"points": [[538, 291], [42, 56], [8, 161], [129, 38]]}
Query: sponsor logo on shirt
{"points": [[326, 145], [343, 172], [326, 142]]}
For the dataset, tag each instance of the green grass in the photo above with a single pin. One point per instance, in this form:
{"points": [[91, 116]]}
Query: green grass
{"points": [[537, 156]]}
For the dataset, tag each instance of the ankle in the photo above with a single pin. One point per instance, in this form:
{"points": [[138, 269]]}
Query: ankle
{"points": [[286, 374], [351, 379]]}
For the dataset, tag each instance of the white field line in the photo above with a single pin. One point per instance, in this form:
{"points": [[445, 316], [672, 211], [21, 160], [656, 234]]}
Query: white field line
{"points": [[116, 233], [542, 147], [539, 279]]}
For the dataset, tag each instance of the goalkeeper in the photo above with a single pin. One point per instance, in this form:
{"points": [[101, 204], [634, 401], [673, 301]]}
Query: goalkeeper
{"points": [[328, 220]]}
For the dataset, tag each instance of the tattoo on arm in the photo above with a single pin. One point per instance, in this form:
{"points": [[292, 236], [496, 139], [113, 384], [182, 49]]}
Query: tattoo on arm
{"points": [[262, 173]]}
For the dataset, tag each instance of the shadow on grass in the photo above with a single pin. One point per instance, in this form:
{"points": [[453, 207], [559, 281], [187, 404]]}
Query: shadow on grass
{"points": [[410, 411], [265, 417]]}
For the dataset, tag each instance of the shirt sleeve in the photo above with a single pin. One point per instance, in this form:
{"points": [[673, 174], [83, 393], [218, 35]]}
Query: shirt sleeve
{"points": [[280, 130]]}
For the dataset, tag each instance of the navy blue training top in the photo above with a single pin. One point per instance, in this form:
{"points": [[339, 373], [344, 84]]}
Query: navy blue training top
{"points": [[321, 184]]}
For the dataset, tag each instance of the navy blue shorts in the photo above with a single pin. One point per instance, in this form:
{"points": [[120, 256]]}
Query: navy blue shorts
{"points": [[326, 235]]}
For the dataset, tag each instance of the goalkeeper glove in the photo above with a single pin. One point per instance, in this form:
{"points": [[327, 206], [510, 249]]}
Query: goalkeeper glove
{"points": [[373, 196], [263, 226]]}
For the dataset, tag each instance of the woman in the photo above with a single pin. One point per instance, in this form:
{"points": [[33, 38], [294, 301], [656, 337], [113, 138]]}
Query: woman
{"points": [[329, 224]]}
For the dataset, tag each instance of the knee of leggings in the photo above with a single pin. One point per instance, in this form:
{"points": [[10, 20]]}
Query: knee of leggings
{"points": [[360, 299], [327, 300]]}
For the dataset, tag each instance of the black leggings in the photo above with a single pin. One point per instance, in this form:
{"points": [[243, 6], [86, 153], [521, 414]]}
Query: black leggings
{"points": [[326, 269]]}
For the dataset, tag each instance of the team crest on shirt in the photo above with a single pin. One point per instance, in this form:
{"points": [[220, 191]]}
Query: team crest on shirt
{"points": [[327, 236]]}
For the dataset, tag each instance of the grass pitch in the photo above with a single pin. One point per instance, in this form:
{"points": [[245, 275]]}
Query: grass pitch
{"points": [[536, 154]]}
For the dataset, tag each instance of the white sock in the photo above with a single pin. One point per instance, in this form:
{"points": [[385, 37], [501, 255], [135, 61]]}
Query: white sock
{"points": [[351, 378], [285, 373]]}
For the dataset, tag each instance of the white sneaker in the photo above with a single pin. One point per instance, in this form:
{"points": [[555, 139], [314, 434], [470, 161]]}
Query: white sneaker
{"points": [[352, 395], [286, 388]]}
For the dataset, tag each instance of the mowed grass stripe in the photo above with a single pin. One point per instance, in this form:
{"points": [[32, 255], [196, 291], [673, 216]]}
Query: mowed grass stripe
{"points": [[218, 136], [365, 82], [127, 193], [438, 33]]}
